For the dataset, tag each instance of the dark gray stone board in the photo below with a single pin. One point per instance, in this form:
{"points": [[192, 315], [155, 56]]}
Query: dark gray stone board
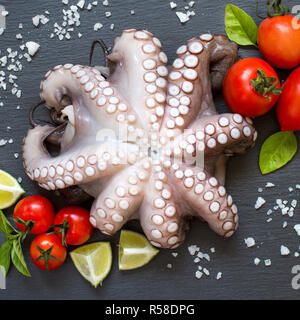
{"points": [[241, 279]]}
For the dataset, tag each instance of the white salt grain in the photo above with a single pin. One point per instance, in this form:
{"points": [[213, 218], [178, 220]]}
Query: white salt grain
{"points": [[297, 229], [268, 262], [259, 203], [182, 17], [198, 274], [219, 275], [250, 242], [256, 261], [270, 185], [284, 251], [32, 47]]}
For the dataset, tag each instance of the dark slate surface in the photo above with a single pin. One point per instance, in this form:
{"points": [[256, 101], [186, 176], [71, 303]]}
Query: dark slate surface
{"points": [[241, 278]]}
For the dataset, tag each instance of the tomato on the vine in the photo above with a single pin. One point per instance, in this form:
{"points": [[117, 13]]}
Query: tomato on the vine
{"points": [[73, 226], [288, 108], [35, 213], [279, 41], [251, 87], [47, 252]]}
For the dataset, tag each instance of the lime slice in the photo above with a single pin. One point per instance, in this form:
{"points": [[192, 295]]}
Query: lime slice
{"points": [[10, 190], [134, 250], [93, 261]]}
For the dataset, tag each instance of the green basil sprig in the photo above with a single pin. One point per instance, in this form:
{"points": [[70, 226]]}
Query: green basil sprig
{"points": [[11, 250], [239, 26], [277, 151]]}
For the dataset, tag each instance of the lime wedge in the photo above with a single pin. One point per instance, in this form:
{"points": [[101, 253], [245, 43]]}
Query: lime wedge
{"points": [[10, 190], [134, 250], [93, 261]]}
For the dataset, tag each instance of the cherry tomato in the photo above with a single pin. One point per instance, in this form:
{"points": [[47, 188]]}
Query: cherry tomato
{"points": [[47, 252], [279, 41], [75, 224], [242, 96], [288, 108], [37, 209]]}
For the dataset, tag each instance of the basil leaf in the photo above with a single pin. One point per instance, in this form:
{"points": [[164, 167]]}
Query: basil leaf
{"points": [[5, 251], [5, 226], [239, 26], [18, 258], [277, 151]]}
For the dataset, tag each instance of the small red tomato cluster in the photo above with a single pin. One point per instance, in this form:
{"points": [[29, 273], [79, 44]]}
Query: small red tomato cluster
{"points": [[70, 226], [252, 87]]}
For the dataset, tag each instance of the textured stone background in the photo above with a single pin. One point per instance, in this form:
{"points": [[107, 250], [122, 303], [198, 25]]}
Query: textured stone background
{"points": [[241, 278]]}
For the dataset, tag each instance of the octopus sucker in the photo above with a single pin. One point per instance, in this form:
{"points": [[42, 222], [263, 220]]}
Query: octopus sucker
{"points": [[143, 138]]}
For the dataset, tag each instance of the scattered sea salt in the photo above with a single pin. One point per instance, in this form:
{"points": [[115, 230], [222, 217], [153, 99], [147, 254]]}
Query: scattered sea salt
{"points": [[198, 274], [174, 254], [256, 261]]}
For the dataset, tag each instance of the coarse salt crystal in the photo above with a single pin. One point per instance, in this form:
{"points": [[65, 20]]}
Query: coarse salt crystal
{"points": [[259, 202], [175, 254], [268, 262], [80, 4], [169, 266], [182, 17], [173, 5], [98, 26], [270, 185], [219, 275], [250, 242], [206, 271], [256, 261], [297, 229], [32, 47], [198, 274], [193, 249], [284, 224], [284, 251]]}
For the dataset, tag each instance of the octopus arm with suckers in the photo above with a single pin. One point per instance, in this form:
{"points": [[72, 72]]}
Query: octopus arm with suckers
{"points": [[132, 133]]}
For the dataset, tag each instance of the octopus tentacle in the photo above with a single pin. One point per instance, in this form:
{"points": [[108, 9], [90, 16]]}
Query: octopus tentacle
{"points": [[121, 197], [207, 198], [96, 96], [211, 135], [81, 165], [161, 222], [189, 88], [140, 52]]}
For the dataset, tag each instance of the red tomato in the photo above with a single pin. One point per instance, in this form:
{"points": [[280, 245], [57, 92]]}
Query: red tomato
{"points": [[47, 252], [240, 95], [288, 110], [37, 209], [79, 228], [279, 41]]}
